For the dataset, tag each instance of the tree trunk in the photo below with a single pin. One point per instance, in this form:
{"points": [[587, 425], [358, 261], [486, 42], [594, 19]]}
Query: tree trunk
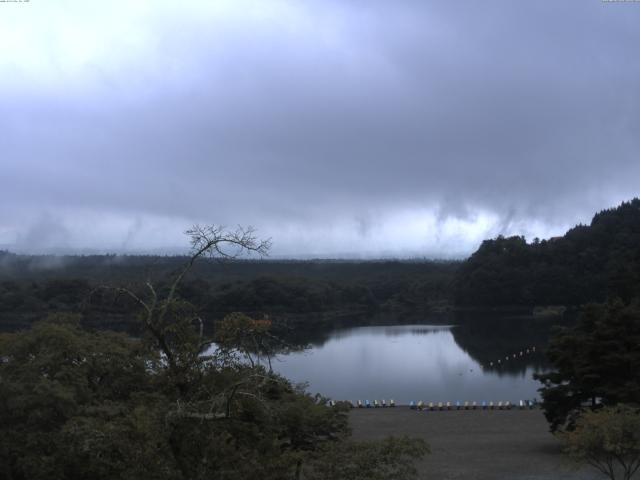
{"points": [[298, 469]]}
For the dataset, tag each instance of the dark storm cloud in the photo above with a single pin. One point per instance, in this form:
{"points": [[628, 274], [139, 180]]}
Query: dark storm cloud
{"points": [[335, 127]]}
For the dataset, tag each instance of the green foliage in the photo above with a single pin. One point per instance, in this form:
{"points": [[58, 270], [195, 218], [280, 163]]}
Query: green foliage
{"points": [[588, 264], [31, 287], [56, 381], [75, 404], [238, 330], [101, 405], [608, 440], [596, 362]]}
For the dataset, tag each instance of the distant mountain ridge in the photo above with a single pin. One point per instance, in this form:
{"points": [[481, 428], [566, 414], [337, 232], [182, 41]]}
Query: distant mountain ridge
{"points": [[590, 263]]}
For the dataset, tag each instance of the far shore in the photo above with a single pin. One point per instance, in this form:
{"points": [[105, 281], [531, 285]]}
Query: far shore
{"points": [[475, 444]]}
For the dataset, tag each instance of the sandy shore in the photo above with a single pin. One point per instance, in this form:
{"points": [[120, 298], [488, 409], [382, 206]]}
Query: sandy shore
{"points": [[475, 445]]}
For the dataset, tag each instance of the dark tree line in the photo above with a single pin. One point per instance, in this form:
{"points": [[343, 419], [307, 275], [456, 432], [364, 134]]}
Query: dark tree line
{"points": [[588, 264], [29, 292]]}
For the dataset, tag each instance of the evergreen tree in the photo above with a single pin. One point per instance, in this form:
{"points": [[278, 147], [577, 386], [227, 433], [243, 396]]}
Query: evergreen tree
{"points": [[597, 362]]}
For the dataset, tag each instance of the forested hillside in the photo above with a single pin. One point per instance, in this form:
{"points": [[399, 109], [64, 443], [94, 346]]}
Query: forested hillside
{"points": [[31, 287], [590, 263]]}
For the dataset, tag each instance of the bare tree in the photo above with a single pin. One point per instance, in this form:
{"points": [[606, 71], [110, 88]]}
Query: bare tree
{"points": [[209, 241]]}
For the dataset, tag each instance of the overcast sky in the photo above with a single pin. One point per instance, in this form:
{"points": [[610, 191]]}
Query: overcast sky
{"points": [[338, 128]]}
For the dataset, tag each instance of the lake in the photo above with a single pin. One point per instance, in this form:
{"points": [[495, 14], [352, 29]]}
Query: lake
{"points": [[423, 362]]}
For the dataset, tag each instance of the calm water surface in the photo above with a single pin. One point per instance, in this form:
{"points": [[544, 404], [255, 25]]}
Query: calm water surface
{"points": [[414, 362]]}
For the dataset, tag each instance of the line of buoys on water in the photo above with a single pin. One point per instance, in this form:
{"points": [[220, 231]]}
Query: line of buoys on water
{"points": [[513, 356]]}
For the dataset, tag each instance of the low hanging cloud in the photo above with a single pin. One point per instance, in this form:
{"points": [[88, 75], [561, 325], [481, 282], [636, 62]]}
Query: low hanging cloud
{"points": [[344, 128]]}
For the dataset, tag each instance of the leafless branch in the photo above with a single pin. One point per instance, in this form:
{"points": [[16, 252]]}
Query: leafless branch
{"points": [[210, 240]]}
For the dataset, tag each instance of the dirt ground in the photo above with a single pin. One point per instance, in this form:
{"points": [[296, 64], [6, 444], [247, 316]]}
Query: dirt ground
{"points": [[475, 445]]}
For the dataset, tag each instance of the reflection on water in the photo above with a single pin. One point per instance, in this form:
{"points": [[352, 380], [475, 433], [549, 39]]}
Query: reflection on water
{"points": [[420, 362]]}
